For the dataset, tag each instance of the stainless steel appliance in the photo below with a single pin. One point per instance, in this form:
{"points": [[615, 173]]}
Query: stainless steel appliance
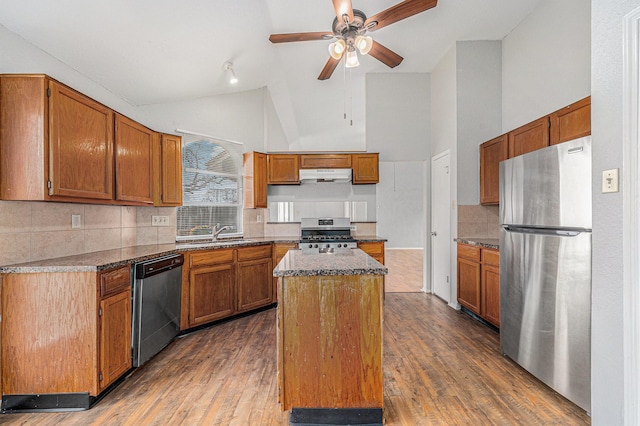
{"points": [[545, 266], [157, 288], [326, 235]]}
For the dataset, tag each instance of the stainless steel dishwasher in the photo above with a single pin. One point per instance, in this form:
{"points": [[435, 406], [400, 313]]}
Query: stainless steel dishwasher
{"points": [[157, 285]]}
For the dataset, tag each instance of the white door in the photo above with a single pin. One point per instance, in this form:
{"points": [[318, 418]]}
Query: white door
{"points": [[440, 226]]}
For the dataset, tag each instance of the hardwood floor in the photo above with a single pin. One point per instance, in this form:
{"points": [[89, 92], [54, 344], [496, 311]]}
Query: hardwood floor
{"points": [[440, 368], [405, 270]]}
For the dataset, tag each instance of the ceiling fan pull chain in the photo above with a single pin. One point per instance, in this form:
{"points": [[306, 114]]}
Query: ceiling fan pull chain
{"points": [[350, 101], [344, 93]]}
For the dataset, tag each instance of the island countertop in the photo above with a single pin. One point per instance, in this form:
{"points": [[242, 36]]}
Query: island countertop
{"points": [[297, 263]]}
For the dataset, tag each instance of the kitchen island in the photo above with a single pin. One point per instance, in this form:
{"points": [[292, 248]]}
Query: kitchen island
{"points": [[329, 336]]}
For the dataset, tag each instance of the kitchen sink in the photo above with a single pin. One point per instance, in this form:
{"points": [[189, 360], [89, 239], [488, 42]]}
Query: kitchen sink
{"points": [[213, 244]]}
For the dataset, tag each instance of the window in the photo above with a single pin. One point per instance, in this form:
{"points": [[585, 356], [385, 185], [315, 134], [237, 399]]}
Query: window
{"points": [[211, 188]]}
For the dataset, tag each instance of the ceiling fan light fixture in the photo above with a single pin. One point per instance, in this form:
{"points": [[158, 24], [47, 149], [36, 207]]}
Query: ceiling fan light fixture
{"points": [[337, 48], [352, 59], [364, 44], [228, 67]]}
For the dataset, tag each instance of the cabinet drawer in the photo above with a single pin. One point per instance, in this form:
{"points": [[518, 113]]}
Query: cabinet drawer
{"points": [[115, 281], [254, 252], [372, 249], [491, 257], [327, 161], [211, 257], [469, 252]]}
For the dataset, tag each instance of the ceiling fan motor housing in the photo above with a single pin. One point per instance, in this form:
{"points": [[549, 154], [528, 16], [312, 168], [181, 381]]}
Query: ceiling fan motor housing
{"points": [[352, 29]]}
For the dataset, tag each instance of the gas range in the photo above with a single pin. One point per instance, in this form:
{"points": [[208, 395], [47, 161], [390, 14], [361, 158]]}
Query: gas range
{"points": [[326, 235]]}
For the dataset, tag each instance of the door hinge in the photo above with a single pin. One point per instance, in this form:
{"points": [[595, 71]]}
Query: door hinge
{"points": [[447, 279], [48, 92], [100, 376], [99, 312], [49, 184]]}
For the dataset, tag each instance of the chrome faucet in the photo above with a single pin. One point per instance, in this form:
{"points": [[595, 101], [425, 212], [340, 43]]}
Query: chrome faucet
{"points": [[217, 229]]}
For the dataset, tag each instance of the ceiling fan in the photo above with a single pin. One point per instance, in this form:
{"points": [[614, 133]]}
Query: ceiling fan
{"points": [[349, 28]]}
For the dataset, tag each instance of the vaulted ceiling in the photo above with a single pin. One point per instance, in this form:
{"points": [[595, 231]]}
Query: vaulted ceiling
{"points": [[160, 51]]}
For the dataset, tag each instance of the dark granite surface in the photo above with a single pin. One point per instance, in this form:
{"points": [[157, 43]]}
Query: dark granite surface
{"points": [[492, 243], [297, 263]]}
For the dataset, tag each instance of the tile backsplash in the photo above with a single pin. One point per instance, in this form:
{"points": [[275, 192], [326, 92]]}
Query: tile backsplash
{"points": [[31, 231], [478, 221]]}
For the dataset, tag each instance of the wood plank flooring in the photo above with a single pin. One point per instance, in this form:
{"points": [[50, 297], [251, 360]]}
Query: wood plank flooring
{"points": [[405, 270], [440, 368]]}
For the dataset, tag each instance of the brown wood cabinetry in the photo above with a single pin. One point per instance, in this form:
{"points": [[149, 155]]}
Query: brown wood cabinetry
{"points": [[374, 249], [365, 168], [530, 137], [57, 144], [279, 251], [325, 161], [479, 281], [115, 325], [254, 180], [255, 283], [219, 283], [65, 332], [572, 121], [168, 171], [283, 169], [134, 146], [491, 154]]}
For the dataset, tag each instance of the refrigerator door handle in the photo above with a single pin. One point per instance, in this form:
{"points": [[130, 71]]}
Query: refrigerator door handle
{"points": [[564, 232]]}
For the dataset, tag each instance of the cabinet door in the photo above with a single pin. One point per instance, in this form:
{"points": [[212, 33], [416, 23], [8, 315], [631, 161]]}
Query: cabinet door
{"points": [[80, 145], [134, 161], [211, 293], [573, 121], [279, 251], [255, 284], [491, 294], [469, 284], [365, 168], [325, 161], [491, 154], [115, 337], [529, 137], [283, 169], [255, 180], [168, 177]]}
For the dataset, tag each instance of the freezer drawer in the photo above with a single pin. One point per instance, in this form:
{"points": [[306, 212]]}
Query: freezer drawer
{"points": [[545, 305]]}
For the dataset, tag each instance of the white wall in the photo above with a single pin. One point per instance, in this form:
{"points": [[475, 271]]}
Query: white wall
{"points": [[607, 351], [546, 61], [479, 109], [443, 105]]}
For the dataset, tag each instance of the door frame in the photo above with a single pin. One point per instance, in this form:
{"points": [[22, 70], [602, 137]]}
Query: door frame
{"points": [[452, 300], [631, 216]]}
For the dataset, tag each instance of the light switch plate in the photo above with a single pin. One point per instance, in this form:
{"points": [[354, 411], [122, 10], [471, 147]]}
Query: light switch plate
{"points": [[159, 220], [76, 221], [610, 180]]}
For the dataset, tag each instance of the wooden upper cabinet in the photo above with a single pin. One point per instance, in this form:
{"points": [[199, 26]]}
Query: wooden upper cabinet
{"points": [[134, 146], [571, 122], [168, 171], [325, 161], [365, 168], [283, 169], [254, 180], [80, 145], [491, 154], [530, 137]]}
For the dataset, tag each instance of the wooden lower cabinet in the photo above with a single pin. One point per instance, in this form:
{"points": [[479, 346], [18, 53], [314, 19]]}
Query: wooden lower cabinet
{"points": [[479, 281], [220, 283], [279, 251], [64, 332], [374, 249]]}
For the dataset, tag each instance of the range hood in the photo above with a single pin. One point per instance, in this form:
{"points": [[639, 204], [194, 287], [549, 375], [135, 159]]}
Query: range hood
{"points": [[325, 175]]}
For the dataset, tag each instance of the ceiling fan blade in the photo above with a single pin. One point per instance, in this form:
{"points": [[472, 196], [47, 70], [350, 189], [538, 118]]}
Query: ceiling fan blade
{"points": [[286, 38], [400, 11], [343, 7], [328, 69], [384, 55]]}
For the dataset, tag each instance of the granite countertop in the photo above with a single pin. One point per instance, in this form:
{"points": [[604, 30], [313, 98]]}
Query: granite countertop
{"points": [[297, 263], [369, 238], [492, 243], [107, 259]]}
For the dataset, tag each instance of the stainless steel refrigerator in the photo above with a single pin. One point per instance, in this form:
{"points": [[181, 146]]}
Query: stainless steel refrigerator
{"points": [[545, 266]]}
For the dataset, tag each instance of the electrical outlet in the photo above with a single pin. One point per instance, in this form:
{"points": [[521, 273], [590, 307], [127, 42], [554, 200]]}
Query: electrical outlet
{"points": [[353, 227], [610, 181], [76, 221], [159, 220], [259, 218]]}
